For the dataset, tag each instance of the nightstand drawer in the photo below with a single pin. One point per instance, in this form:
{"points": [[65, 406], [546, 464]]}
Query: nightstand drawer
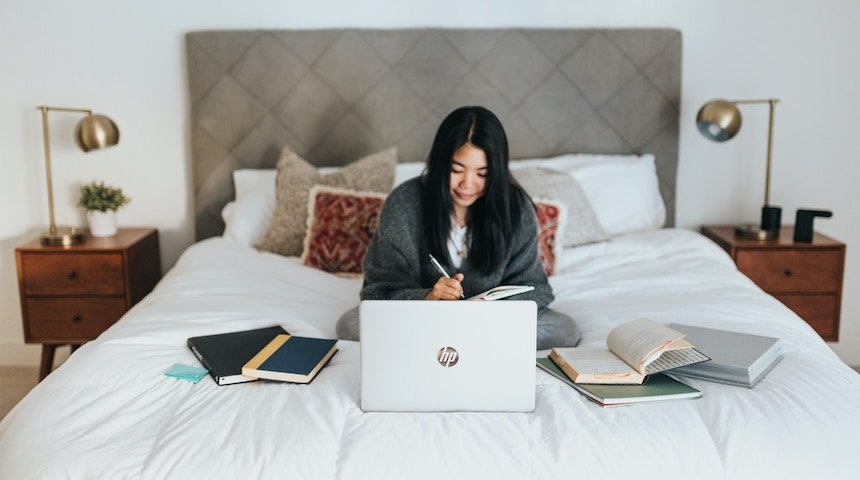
{"points": [[819, 311], [72, 274], [77, 319], [790, 271]]}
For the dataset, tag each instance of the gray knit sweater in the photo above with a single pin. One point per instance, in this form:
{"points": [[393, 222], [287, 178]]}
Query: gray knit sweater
{"points": [[397, 265]]}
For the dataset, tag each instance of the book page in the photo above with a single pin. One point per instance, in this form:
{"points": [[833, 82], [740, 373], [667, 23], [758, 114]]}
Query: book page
{"points": [[679, 344], [594, 365], [673, 358], [640, 342]]}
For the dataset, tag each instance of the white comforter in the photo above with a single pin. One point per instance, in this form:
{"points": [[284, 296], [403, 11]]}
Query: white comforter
{"points": [[109, 412]]}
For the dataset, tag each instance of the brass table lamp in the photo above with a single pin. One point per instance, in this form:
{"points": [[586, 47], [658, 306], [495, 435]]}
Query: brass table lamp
{"points": [[720, 120], [92, 133]]}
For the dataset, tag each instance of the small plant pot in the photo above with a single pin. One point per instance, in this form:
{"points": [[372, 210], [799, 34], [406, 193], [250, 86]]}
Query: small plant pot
{"points": [[102, 224]]}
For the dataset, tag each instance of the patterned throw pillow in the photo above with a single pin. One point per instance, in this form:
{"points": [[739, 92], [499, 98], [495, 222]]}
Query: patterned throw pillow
{"points": [[582, 225], [551, 217], [296, 177], [340, 225]]}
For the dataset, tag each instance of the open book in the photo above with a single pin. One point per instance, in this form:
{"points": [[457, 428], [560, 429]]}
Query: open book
{"points": [[502, 291], [636, 349]]}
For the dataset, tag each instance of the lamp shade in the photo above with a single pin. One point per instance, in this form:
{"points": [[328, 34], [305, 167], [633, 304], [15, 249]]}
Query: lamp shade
{"points": [[719, 120], [96, 131]]}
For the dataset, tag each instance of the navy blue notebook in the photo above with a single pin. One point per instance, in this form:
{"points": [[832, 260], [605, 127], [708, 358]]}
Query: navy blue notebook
{"points": [[224, 354], [291, 359]]}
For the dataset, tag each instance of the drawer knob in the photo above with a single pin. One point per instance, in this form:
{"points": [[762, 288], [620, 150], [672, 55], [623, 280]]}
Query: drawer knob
{"points": [[73, 275], [76, 319], [788, 273]]}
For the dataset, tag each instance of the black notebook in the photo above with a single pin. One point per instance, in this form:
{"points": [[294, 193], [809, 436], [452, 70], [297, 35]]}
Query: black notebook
{"points": [[225, 354]]}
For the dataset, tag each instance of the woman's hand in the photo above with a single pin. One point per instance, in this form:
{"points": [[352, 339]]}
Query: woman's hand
{"points": [[446, 289]]}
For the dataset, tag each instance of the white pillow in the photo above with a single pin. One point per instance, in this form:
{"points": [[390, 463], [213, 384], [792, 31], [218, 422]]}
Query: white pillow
{"points": [[247, 220], [571, 161], [248, 217], [247, 181], [622, 189], [406, 171]]}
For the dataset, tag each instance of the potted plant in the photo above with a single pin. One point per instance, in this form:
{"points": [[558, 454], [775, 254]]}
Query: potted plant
{"points": [[101, 202]]}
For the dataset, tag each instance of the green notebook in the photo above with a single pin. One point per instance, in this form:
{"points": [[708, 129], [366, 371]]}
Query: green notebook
{"points": [[656, 388]]}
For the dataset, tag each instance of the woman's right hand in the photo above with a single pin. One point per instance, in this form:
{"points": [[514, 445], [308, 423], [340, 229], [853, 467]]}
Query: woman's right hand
{"points": [[447, 289]]}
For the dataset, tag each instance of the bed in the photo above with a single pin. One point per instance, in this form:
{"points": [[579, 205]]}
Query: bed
{"points": [[109, 412]]}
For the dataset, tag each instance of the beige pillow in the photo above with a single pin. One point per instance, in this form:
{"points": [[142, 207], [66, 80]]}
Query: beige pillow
{"points": [[582, 225], [296, 177]]}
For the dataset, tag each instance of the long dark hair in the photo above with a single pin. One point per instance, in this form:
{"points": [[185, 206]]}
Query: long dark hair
{"points": [[495, 216]]}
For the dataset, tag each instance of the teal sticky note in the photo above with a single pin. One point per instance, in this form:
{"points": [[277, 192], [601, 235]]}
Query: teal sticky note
{"points": [[186, 372]]}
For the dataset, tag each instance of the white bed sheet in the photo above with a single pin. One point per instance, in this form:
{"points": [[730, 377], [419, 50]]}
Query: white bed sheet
{"points": [[109, 412]]}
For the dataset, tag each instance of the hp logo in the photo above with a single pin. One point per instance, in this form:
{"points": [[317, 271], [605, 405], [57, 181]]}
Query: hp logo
{"points": [[447, 356]]}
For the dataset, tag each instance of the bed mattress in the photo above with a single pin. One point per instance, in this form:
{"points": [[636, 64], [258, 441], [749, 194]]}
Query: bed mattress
{"points": [[109, 411]]}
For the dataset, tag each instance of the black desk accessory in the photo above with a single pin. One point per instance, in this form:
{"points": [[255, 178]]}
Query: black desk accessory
{"points": [[803, 223]]}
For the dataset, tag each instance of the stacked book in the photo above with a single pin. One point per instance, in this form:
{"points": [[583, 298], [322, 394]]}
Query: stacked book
{"points": [[628, 371], [736, 358], [266, 353]]}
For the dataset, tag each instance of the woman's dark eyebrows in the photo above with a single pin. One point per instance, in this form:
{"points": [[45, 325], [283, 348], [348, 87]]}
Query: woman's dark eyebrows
{"points": [[455, 162]]}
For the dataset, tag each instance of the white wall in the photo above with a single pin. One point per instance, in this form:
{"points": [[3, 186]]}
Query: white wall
{"points": [[126, 59]]}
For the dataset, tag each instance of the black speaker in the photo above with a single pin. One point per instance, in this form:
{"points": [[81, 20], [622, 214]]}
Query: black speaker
{"points": [[771, 217], [803, 223]]}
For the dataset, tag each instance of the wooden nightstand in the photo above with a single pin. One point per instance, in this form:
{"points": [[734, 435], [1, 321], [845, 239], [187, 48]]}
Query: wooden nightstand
{"points": [[806, 277], [70, 295]]}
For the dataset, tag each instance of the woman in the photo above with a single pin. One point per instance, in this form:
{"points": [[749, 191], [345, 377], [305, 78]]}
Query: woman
{"points": [[471, 215]]}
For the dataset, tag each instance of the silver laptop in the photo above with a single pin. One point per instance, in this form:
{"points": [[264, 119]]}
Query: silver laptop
{"points": [[444, 356]]}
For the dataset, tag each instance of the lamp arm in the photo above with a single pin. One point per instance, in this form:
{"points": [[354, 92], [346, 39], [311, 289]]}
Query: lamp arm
{"points": [[65, 109], [771, 104], [747, 102], [52, 229]]}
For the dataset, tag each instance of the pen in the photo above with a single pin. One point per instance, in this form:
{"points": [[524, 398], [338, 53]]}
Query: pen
{"points": [[441, 270]]}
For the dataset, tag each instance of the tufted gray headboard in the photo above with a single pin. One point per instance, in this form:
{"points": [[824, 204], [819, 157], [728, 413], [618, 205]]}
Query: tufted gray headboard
{"points": [[336, 95]]}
